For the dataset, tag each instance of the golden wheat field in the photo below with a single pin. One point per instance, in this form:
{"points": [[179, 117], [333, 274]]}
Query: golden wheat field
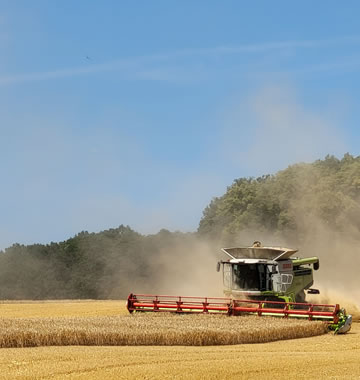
{"points": [[83, 323], [322, 356]]}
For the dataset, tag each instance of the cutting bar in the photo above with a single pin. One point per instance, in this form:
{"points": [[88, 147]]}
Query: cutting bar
{"points": [[228, 306]]}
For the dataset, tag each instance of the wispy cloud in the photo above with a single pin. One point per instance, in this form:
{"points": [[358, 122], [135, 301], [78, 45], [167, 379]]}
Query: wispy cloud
{"points": [[262, 47], [63, 73], [346, 64], [135, 67]]}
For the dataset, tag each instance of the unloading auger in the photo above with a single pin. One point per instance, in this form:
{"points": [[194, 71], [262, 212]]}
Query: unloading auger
{"points": [[263, 281]]}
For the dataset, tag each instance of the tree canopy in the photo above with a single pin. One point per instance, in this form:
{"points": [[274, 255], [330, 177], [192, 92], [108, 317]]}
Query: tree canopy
{"points": [[289, 202]]}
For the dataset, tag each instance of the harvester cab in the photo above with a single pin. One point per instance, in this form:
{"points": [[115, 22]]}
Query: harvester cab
{"points": [[267, 273]]}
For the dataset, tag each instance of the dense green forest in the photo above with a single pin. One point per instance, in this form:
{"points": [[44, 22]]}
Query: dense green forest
{"points": [[289, 203], [108, 264], [111, 263]]}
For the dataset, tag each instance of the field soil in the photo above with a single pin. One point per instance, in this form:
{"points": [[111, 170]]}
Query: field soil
{"points": [[321, 357]]}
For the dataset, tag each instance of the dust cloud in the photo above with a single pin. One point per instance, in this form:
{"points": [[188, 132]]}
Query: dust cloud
{"points": [[273, 127], [338, 276], [336, 244], [187, 268], [286, 130]]}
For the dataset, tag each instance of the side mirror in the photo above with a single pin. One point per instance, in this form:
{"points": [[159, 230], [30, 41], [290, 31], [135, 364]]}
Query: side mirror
{"points": [[317, 265], [218, 266], [313, 291]]}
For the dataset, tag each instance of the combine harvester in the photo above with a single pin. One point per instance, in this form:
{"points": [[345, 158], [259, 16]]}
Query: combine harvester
{"points": [[265, 281]]}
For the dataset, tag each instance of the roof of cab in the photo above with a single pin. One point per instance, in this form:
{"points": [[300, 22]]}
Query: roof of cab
{"points": [[251, 261], [267, 253]]}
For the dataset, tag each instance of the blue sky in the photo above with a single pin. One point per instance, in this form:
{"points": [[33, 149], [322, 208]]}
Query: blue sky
{"points": [[120, 112]]}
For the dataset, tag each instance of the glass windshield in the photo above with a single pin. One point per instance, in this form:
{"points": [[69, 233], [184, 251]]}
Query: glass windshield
{"points": [[248, 277]]}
